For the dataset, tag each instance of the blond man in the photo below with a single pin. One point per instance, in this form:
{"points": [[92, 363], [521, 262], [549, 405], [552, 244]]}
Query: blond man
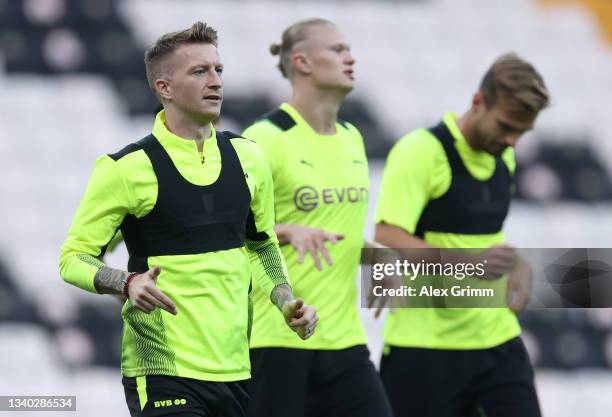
{"points": [[195, 207], [450, 187]]}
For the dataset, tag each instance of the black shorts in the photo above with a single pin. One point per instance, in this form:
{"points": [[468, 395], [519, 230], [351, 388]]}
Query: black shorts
{"points": [[160, 395], [305, 383], [496, 382]]}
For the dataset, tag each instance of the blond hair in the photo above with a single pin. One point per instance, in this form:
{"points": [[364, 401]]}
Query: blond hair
{"points": [[164, 46], [291, 37], [517, 82]]}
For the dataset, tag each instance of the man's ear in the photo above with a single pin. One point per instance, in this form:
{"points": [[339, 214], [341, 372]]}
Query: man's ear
{"points": [[301, 63], [478, 102], [163, 89]]}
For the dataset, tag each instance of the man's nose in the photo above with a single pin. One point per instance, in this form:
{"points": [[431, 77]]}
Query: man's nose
{"points": [[214, 81], [350, 59]]}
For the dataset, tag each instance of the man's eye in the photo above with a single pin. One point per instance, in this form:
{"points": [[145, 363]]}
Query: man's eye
{"points": [[219, 70], [198, 72]]}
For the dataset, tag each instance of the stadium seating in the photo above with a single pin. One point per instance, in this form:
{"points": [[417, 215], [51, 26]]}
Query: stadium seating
{"points": [[415, 60]]}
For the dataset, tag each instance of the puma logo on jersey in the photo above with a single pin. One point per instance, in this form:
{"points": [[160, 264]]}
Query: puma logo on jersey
{"points": [[306, 163]]}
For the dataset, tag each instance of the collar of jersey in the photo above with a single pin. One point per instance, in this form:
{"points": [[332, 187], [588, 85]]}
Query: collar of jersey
{"points": [[171, 141], [450, 120], [299, 120]]}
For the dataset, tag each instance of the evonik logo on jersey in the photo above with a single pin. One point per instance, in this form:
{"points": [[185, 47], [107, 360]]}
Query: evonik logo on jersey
{"points": [[307, 198]]}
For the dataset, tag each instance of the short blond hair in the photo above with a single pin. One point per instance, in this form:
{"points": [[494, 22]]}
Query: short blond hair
{"points": [[294, 34], [517, 82], [199, 32]]}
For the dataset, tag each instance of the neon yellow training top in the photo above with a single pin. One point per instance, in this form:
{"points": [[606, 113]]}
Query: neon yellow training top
{"points": [[319, 181], [416, 172], [207, 339]]}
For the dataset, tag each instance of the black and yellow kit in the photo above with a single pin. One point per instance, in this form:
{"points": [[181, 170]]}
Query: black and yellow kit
{"points": [[162, 396], [320, 181], [207, 220], [437, 187]]}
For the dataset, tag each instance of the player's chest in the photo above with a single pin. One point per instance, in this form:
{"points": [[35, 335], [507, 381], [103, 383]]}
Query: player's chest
{"points": [[333, 164], [323, 176]]}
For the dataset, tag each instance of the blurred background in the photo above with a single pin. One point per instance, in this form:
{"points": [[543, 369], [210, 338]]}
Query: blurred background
{"points": [[72, 87]]}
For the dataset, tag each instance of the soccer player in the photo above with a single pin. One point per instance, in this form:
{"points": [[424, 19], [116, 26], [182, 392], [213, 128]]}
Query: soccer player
{"points": [[195, 207], [321, 185], [450, 187]]}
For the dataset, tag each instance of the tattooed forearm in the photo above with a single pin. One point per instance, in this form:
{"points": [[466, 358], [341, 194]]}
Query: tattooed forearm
{"points": [[109, 281], [281, 294]]}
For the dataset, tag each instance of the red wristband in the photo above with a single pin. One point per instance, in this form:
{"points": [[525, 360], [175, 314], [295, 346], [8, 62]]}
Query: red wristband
{"points": [[127, 281]]}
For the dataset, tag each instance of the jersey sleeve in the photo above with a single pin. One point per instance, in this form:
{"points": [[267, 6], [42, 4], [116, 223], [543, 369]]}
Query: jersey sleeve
{"points": [[408, 181], [356, 135], [267, 263], [266, 135], [99, 215], [509, 159]]}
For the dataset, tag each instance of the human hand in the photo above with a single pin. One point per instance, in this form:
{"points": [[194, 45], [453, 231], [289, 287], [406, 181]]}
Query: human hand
{"points": [[520, 284], [145, 295], [301, 318], [500, 259], [309, 239], [389, 283]]}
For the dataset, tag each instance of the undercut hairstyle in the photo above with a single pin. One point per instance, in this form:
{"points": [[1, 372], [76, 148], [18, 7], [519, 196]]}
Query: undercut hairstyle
{"points": [[199, 32], [292, 36], [518, 83]]}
